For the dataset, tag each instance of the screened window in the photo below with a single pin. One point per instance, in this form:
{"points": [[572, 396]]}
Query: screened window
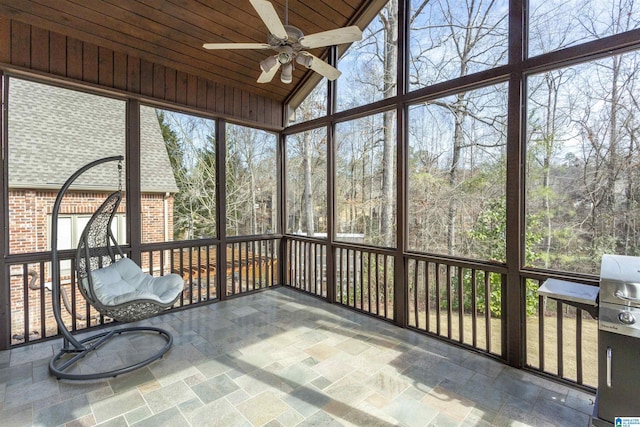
{"points": [[456, 175], [70, 228], [314, 105], [369, 66], [450, 39], [177, 176], [582, 176], [251, 186], [365, 193], [52, 132], [307, 183], [555, 24]]}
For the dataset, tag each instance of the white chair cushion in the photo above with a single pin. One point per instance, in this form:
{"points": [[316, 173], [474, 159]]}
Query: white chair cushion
{"points": [[123, 281]]}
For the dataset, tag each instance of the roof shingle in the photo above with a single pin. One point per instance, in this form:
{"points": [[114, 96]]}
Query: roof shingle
{"points": [[54, 131]]}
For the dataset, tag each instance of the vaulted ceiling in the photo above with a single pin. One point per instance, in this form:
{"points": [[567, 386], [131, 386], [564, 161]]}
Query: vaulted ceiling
{"points": [[171, 32]]}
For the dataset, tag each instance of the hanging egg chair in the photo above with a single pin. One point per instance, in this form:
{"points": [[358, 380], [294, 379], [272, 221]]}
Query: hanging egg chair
{"points": [[111, 283]]}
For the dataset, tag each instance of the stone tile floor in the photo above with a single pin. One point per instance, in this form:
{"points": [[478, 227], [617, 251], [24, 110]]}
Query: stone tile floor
{"points": [[283, 358]]}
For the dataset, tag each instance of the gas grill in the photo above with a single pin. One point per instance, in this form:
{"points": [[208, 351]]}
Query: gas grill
{"points": [[618, 340], [616, 305]]}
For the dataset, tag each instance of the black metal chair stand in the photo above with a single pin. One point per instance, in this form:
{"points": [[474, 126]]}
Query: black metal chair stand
{"points": [[99, 249]]}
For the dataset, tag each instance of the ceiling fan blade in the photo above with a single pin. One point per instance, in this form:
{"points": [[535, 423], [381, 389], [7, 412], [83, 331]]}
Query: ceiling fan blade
{"points": [[322, 68], [219, 46], [270, 18], [266, 77], [332, 37]]}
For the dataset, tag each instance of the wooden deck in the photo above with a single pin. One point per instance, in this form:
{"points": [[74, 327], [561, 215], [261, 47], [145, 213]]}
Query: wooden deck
{"points": [[244, 269]]}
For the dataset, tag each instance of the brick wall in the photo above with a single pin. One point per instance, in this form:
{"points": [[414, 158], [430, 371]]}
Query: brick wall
{"points": [[157, 211]]}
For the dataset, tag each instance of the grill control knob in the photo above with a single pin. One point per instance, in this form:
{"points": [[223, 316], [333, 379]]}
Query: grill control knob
{"points": [[627, 318]]}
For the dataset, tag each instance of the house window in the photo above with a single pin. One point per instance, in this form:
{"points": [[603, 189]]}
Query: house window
{"points": [[70, 228]]}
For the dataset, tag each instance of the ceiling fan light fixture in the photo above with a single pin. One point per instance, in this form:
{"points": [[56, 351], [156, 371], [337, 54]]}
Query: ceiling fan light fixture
{"points": [[287, 73], [304, 60], [268, 64], [284, 57], [290, 43]]}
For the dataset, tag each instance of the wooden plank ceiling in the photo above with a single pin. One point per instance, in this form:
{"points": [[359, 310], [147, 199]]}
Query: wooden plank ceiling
{"points": [[171, 32]]}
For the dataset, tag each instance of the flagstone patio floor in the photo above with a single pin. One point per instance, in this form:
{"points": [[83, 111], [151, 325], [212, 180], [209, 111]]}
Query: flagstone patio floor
{"points": [[284, 358]]}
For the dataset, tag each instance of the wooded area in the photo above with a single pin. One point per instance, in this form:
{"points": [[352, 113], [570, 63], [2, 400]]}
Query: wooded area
{"points": [[581, 145]]}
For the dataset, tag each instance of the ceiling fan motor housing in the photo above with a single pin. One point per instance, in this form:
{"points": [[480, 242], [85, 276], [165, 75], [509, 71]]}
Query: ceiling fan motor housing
{"points": [[294, 35]]}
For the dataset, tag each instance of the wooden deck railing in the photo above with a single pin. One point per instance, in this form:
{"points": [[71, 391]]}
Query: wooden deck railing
{"points": [[249, 265], [451, 299], [455, 300]]}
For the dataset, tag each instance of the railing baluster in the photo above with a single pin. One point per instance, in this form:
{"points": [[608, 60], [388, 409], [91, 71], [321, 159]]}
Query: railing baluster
{"points": [[438, 301], [427, 303], [208, 279], [541, 333], [579, 345], [386, 281], [361, 268], [43, 318], [449, 302], [341, 278], [460, 305], [416, 311], [190, 252], [487, 309], [181, 261], [369, 282], [314, 263], [560, 340], [25, 301], [379, 281], [474, 310], [300, 275], [245, 260], [74, 310]]}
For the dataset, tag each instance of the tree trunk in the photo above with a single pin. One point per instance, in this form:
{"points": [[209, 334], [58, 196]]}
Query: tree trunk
{"points": [[308, 194], [458, 138], [548, 141], [388, 155]]}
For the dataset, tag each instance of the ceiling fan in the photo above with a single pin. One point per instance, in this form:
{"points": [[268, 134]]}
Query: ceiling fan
{"points": [[290, 44]]}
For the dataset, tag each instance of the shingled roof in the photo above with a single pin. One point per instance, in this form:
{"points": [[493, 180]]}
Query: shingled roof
{"points": [[54, 131]]}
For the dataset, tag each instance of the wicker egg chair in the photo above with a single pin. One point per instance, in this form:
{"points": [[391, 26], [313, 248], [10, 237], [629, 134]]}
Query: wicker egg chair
{"points": [[113, 284]]}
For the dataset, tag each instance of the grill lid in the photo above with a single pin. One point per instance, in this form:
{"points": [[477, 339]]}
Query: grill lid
{"points": [[620, 279]]}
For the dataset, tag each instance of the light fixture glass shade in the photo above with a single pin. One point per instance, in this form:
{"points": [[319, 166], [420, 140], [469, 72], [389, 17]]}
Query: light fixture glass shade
{"points": [[267, 64], [304, 60], [287, 73], [284, 57]]}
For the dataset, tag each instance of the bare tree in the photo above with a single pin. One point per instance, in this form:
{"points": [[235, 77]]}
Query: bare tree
{"points": [[389, 18], [548, 115], [250, 165], [191, 148], [461, 39]]}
